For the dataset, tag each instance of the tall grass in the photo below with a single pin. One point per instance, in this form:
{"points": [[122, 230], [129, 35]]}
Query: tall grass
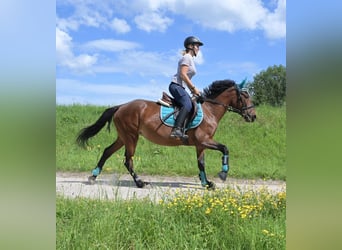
{"points": [[224, 219], [257, 150]]}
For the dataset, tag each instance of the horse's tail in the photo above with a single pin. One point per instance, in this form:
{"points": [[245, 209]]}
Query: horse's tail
{"points": [[92, 130]]}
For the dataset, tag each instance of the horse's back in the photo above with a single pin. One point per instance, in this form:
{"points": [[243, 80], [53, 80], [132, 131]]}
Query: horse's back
{"points": [[137, 110], [143, 117], [139, 105]]}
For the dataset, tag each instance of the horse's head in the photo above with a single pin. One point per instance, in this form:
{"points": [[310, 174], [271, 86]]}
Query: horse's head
{"points": [[243, 103], [234, 97]]}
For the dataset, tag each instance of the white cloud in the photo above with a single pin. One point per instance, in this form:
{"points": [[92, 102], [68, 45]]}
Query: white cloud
{"points": [[66, 57], [120, 25], [233, 15], [90, 13], [98, 14], [63, 45], [67, 24], [69, 91], [152, 15], [274, 23], [152, 21], [140, 63], [228, 15], [111, 45]]}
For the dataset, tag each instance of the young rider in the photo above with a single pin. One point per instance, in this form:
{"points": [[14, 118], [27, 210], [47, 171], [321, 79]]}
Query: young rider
{"points": [[185, 71]]}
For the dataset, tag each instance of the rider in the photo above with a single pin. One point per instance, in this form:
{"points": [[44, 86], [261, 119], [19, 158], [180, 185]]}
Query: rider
{"points": [[186, 70]]}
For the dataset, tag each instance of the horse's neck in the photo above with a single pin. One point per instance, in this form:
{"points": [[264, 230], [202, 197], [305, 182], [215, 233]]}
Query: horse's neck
{"points": [[216, 110]]}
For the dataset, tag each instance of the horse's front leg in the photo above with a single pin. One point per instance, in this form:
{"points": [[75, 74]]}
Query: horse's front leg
{"points": [[225, 158], [201, 167], [225, 162]]}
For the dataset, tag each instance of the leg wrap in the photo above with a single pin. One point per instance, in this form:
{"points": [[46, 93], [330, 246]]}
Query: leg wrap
{"points": [[225, 166], [96, 171], [203, 178]]}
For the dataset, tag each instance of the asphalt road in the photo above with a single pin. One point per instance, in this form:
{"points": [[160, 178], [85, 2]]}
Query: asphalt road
{"points": [[112, 186]]}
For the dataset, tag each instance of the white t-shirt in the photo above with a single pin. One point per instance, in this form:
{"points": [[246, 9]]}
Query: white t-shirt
{"points": [[188, 60]]}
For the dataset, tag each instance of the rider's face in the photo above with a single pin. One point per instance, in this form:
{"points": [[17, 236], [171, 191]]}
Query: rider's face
{"points": [[196, 48]]}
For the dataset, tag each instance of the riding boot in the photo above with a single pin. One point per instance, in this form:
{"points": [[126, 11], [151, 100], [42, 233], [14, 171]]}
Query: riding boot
{"points": [[177, 131]]}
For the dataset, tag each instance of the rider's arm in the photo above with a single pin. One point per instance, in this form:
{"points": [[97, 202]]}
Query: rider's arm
{"points": [[185, 78]]}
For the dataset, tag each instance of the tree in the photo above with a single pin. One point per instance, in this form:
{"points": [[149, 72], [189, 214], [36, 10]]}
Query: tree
{"points": [[269, 86]]}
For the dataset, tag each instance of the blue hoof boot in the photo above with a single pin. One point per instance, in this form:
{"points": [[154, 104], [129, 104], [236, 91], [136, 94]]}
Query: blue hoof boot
{"points": [[96, 171], [203, 179]]}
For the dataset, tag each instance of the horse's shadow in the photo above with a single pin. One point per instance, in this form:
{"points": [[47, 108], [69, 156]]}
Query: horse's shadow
{"points": [[131, 184]]}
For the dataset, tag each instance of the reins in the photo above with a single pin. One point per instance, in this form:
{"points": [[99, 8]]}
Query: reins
{"points": [[227, 107]]}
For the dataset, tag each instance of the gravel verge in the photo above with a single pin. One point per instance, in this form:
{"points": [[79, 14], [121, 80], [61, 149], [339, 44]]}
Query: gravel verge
{"points": [[122, 187]]}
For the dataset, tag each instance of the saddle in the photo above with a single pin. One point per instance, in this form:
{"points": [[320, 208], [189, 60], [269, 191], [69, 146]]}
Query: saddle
{"points": [[195, 116]]}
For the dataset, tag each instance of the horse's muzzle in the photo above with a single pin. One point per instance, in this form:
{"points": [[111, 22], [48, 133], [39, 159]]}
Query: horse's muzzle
{"points": [[249, 117]]}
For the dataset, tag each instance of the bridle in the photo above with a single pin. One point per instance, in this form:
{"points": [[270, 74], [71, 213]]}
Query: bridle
{"points": [[229, 108]]}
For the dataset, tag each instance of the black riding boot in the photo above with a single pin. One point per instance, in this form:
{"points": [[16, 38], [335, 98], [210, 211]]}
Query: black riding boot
{"points": [[177, 131]]}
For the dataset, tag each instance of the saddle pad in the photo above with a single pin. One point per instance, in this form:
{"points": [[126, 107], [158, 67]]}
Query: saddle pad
{"points": [[170, 121]]}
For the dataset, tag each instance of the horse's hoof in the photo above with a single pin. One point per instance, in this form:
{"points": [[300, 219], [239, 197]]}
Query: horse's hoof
{"points": [[211, 185], [91, 179], [140, 183], [223, 175]]}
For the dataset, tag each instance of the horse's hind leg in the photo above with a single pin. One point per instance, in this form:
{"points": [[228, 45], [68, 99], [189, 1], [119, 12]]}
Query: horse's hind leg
{"points": [[201, 166], [106, 154], [129, 153], [129, 165]]}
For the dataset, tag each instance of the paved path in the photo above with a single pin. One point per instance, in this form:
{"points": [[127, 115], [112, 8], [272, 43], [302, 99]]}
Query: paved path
{"points": [[111, 186]]}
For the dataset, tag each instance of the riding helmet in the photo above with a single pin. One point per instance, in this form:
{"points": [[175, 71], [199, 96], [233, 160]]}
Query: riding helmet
{"points": [[192, 40]]}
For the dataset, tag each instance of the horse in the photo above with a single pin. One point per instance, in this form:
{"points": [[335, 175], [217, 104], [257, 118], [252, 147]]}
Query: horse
{"points": [[142, 117]]}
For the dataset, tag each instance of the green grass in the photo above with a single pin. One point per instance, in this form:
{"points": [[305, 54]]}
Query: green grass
{"points": [[257, 150], [224, 219]]}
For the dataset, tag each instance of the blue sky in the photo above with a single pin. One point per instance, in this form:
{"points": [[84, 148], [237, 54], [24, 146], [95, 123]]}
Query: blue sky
{"points": [[110, 52]]}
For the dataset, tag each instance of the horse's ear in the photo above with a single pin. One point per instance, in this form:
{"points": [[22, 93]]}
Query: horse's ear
{"points": [[243, 83]]}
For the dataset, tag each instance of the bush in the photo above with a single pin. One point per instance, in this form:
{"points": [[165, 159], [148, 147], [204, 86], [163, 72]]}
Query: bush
{"points": [[269, 86]]}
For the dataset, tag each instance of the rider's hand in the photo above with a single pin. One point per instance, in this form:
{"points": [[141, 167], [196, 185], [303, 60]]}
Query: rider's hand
{"points": [[196, 92]]}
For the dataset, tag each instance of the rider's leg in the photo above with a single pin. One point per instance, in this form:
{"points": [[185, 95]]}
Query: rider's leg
{"points": [[177, 131], [184, 101]]}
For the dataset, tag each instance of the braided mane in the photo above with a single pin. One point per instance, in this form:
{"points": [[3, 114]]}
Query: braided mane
{"points": [[217, 87]]}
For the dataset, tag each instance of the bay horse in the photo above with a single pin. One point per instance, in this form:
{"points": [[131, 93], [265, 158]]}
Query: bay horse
{"points": [[141, 117]]}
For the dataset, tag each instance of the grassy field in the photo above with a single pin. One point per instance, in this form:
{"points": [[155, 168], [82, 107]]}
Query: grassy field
{"points": [[257, 150], [222, 219]]}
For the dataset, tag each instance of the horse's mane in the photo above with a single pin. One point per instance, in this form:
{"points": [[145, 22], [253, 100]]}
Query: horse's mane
{"points": [[217, 87]]}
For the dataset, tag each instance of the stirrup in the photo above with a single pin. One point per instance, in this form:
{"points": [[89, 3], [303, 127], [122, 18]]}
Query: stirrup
{"points": [[178, 133], [185, 137]]}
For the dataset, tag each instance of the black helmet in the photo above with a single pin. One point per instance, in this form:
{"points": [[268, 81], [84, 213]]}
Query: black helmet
{"points": [[192, 40]]}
